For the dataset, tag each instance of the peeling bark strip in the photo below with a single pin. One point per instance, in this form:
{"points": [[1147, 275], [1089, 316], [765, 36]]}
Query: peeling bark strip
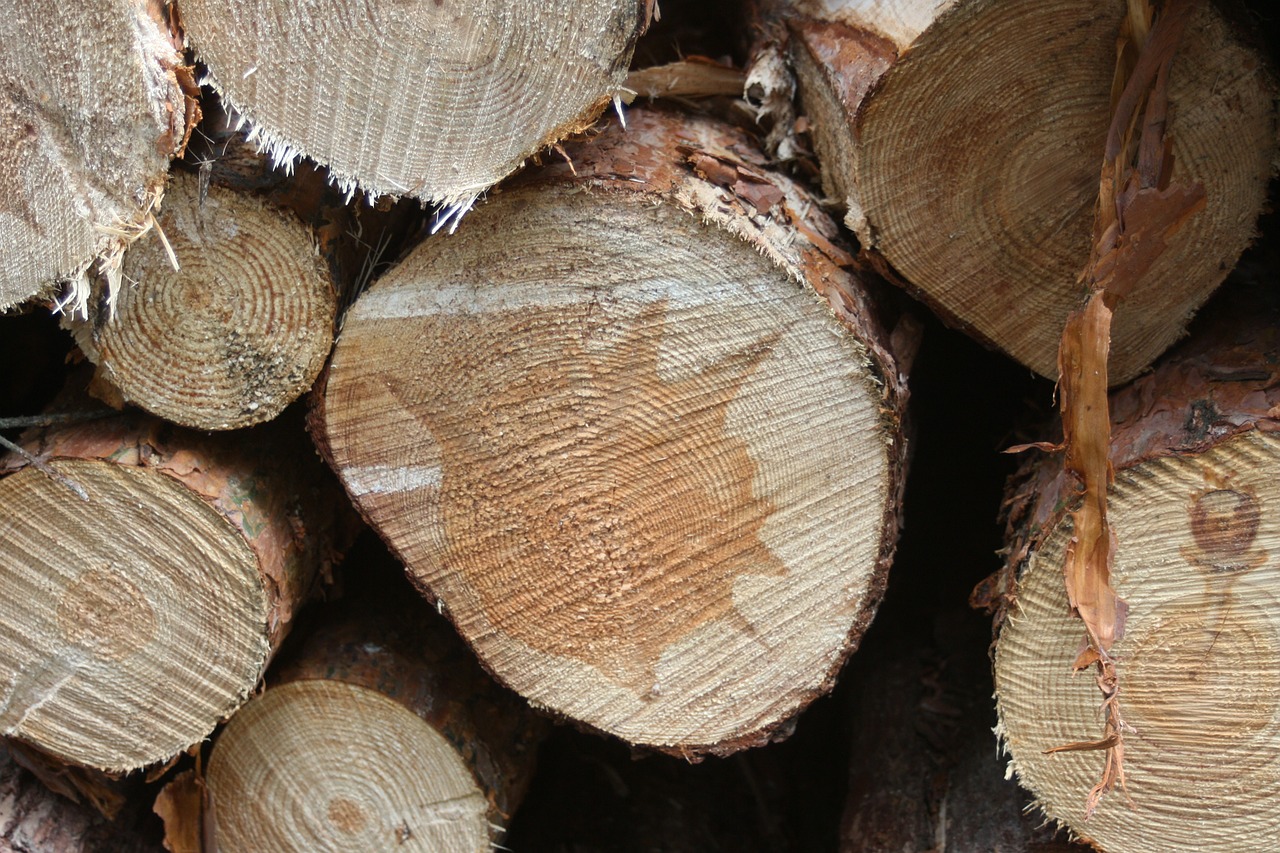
{"points": [[1004, 103], [163, 593], [636, 429], [381, 689], [1138, 210], [434, 100], [94, 100], [1196, 452]]}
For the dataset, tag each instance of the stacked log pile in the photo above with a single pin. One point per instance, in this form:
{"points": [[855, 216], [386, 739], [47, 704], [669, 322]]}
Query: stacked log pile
{"points": [[606, 345]]}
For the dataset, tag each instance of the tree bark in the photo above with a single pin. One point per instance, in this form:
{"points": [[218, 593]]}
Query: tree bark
{"points": [[94, 100], [964, 139], [149, 575], [637, 431], [438, 101], [1195, 451], [434, 755], [33, 819]]}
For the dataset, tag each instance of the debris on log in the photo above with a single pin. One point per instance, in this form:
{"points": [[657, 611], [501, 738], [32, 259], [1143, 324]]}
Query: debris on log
{"points": [[1196, 456]]}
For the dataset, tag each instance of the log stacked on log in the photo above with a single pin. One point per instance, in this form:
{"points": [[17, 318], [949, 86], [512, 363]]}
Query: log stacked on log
{"points": [[94, 100], [1196, 455], [378, 731], [234, 333], [964, 139], [638, 434], [148, 575], [438, 101]]}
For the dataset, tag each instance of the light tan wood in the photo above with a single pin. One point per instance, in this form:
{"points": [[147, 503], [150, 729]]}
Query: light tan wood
{"points": [[1196, 450], [965, 138], [377, 776], [92, 106], [637, 438], [433, 754], [133, 621], [435, 99], [1199, 542], [236, 333]]}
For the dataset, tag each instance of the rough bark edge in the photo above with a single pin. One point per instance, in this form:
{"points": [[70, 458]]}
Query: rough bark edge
{"points": [[295, 526], [1225, 382], [107, 793], [811, 255], [31, 814], [868, 57], [451, 205]]}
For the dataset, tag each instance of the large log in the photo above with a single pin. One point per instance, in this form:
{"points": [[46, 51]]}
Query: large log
{"points": [[94, 100], [1194, 507], [433, 754], [147, 577], [434, 100], [637, 432], [964, 139]]}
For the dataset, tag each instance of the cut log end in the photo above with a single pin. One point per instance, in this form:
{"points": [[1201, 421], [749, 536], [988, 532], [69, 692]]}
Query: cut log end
{"points": [[464, 92], [84, 145], [364, 773], [970, 164], [644, 470], [101, 596], [233, 335], [1196, 563]]}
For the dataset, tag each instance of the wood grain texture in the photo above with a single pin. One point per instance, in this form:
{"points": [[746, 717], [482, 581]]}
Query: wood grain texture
{"points": [[433, 754], [966, 150], [134, 621], [433, 99], [236, 333], [1196, 454], [33, 819], [648, 463], [92, 106]]}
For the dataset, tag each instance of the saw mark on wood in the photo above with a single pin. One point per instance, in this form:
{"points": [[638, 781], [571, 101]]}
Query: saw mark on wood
{"points": [[106, 614], [599, 510]]}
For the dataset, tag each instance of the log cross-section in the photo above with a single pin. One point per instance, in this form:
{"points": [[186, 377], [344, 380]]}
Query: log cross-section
{"points": [[147, 576], [233, 334], [1196, 510], [637, 432], [964, 139], [435, 99]]}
